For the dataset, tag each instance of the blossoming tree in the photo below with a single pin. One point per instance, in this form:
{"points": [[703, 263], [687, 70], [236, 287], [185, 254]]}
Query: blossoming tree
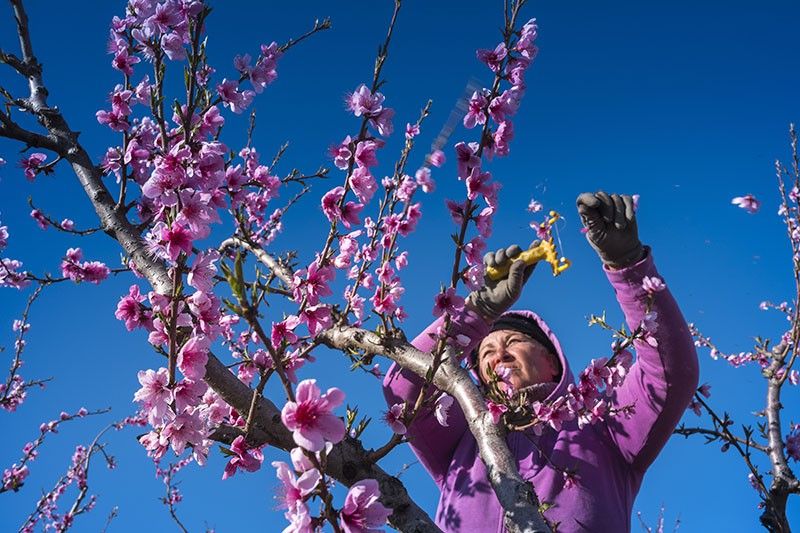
{"points": [[229, 317]]}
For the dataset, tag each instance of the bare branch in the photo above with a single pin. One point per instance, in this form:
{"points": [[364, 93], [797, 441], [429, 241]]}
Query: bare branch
{"points": [[283, 272]]}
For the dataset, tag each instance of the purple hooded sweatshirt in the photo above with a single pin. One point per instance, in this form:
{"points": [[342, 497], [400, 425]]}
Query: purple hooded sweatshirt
{"points": [[610, 458]]}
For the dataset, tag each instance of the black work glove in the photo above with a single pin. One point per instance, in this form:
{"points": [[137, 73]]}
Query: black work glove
{"points": [[497, 296], [611, 225]]}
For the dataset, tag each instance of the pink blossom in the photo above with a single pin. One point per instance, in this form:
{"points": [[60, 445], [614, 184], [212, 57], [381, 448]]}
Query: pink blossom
{"points": [[113, 119], [184, 429], [248, 459], [341, 154], [91, 271], [315, 285], [201, 276], [466, 159], [40, 219], [177, 239], [502, 137], [442, 409], [330, 203], [478, 183], [362, 511], [30, 166], [317, 318], [401, 261], [412, 130], [474, 249], [350, 212], [406, 188], [294, 490], [476, 110], [496, 410], [505, 105], [299, 518], [10, 277], [483, 222], [193, 357], [130, 310], [231, 97], [436, 158], [695, 406], [747, 202], [284, 331], [363, 184], [154, 394], [383, 122], [409, 223], [424, 180], [188, 393], [394, 418], [794, 377], [172, 44], [310, 417], [493, 58], [365, 153], [705, 390], [14, 477], [653, 284], [363, 102], [448, 302], [124, 62]]}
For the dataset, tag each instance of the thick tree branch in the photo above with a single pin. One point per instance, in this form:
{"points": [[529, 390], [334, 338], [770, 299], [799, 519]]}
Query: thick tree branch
{"points": [[516, 496], [347, 462]]}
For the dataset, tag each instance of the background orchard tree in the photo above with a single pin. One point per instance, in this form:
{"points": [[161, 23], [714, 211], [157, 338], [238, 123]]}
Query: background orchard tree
{"points": [[258, 289]]}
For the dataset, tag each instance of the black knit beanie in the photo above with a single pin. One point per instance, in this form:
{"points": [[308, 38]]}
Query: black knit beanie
{"points": [[526, 325]]}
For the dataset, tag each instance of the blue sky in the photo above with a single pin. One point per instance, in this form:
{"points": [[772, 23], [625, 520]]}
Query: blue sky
{"points": [[684, 103]]}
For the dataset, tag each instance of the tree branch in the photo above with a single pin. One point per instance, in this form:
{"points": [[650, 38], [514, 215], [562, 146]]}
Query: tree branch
{"points": [[347, 462], [516, 496], [284, 273]]}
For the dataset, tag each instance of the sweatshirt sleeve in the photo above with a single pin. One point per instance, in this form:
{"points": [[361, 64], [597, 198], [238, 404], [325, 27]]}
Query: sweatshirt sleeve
{"points": [[662, 382], [431, 442]]}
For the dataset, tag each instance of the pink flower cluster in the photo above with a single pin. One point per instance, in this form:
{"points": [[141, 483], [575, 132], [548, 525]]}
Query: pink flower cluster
{"points": [[47, 506], [588, 400], [14, 476], [10, 275], [493, 110], [243, 457], [33, 165], [738, 359], [77, 271], [185, 413], [362, 511]]}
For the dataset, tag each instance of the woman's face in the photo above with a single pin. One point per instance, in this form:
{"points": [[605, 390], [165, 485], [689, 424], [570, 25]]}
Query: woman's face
{"points": [[527, 359]]}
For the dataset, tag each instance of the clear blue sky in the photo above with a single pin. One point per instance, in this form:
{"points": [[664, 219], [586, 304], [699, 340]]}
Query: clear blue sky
{"points": [[684, 103]]}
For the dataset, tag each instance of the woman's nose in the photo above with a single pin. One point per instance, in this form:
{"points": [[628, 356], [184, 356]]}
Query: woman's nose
{"points": [[505, 356]]}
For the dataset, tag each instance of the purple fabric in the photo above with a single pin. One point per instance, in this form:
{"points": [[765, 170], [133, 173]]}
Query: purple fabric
{"points": [[610, 458]]}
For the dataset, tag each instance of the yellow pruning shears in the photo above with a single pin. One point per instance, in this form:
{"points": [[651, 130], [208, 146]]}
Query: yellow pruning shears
{"points": [[545, 250]]}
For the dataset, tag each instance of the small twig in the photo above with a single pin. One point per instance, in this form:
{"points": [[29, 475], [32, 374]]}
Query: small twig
{"points": [[58, 225]]}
